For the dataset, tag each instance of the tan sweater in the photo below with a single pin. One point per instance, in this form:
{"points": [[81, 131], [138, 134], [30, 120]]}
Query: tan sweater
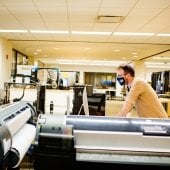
{"points": [[145, 99]]}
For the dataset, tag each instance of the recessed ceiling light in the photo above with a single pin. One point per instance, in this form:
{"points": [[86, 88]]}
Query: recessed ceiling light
{"points": [[87, 48]]}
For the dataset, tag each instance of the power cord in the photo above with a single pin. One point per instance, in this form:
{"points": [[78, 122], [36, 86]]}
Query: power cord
{"points": [[18, 99]]}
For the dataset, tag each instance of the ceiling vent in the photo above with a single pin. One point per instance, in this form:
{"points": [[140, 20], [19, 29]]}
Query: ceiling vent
{"points": [[109, 19]]}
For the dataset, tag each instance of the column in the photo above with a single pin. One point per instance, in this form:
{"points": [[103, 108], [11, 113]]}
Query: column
{"points": [[140, 69]]}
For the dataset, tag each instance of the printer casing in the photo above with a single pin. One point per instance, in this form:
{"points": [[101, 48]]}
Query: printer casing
{"points": [[100, 141]]}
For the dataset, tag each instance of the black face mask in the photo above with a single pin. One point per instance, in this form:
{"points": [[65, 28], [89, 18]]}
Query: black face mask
{"points": [[121, 80]]}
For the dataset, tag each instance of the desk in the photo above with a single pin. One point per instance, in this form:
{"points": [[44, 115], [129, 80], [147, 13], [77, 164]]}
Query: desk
{"points": [[112, 107]]}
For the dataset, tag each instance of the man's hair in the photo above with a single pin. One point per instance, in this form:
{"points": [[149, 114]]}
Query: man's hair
{"points": [[127, 69]]}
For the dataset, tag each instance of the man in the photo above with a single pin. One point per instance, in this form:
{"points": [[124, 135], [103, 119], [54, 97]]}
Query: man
{"points": [[141, 95]]}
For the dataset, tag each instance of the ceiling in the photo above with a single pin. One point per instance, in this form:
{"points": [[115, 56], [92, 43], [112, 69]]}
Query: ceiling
{"points": [[92, 16]]}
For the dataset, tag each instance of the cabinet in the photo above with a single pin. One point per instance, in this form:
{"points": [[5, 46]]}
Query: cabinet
{"points": [[161, 82]]}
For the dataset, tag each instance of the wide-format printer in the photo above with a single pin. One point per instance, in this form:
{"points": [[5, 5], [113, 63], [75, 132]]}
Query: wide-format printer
{"points": [[17, 132], [82, 141]]}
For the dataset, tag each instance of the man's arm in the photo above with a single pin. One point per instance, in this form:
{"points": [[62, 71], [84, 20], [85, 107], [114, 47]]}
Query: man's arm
{"points": [[125, 109]]}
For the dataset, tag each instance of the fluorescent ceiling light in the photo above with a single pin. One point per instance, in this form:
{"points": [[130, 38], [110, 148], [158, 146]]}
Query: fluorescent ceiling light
{"points": [[157, 64], [49, 32], [163, 35], [154, 63], [89, 62], [161, 58], [13, 31], [90, 33], [134, 33]]}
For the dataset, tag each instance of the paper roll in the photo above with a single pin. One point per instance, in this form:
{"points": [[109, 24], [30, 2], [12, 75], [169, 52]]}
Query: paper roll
{"points": [[22, 141], [19, 120], [6, 140]]}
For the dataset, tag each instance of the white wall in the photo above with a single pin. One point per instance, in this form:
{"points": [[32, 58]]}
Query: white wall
{"points": [[5, 61], [1, 61]]}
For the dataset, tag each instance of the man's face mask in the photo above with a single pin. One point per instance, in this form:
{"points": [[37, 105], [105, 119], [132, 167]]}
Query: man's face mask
{"points": [[121, 80]]}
